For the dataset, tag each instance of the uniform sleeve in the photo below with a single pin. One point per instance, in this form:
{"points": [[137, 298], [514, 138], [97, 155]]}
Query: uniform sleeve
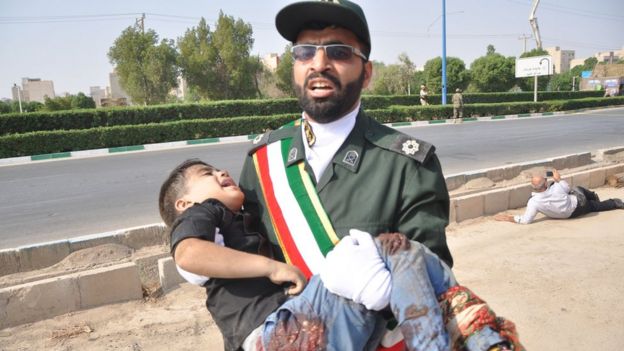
{"points": [[248, 182], [199, 221], [425, 208]]}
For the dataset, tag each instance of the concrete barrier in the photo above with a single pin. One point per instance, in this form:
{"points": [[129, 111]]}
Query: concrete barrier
{"points": [[47, 298], [27, 258], [519, 195], [468, 207], [168, 274], [496, 201]]}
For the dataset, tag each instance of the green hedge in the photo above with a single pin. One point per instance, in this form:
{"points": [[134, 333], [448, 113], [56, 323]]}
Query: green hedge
{"points": [[44, 142], [93, 118]]}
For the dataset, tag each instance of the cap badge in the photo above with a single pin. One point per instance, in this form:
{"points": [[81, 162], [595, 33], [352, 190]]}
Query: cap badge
{"points": [[351, 158], [292, 154], [410, 147]]}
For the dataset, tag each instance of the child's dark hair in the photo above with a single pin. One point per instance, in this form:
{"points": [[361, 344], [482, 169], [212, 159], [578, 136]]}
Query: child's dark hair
{"points": [[173, 188]]}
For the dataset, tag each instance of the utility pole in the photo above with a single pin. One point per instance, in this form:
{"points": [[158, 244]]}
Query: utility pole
{"points": [[524, 37], [443, 52], [141, 23]]}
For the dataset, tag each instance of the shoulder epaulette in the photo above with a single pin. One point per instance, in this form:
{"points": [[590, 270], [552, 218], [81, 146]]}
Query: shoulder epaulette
{"points": [[393, 140], [270, 137]]}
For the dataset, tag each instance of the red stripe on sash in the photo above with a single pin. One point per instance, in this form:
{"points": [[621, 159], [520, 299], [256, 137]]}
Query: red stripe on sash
{"points": [[281, 229]]}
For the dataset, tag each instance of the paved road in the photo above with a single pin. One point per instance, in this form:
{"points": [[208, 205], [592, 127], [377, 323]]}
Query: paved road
{"points": [[68, 198]]}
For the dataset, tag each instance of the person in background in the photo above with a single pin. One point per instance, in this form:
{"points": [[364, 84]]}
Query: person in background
{"points": [[424, 95], [458, 106], [560, 201]]}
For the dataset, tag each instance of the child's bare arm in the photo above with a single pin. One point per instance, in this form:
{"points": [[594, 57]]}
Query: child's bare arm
{"points": [[211, 260]]}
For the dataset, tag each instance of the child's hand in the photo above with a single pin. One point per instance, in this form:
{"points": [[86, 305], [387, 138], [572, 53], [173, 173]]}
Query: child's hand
{"points": [[393, 242], [284, 273]]}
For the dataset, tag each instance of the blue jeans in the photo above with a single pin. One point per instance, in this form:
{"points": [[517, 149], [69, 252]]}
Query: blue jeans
{"points": [[320, 320]]}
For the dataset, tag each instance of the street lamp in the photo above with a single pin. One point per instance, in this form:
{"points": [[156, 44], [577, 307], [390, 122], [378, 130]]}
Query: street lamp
{"points": [[443, 15], [443, 52]]}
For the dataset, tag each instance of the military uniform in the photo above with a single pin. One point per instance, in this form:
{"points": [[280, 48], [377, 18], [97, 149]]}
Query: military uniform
{"points": [[380, 180]]}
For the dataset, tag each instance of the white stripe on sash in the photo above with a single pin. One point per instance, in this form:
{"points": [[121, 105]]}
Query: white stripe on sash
{"points": [[295, 220]]}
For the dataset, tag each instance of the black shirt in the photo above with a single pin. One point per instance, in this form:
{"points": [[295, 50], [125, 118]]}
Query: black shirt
{"points": [[238, 306]]}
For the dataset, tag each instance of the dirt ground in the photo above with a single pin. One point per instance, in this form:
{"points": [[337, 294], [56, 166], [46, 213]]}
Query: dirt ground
{"points": [[558, 280]]}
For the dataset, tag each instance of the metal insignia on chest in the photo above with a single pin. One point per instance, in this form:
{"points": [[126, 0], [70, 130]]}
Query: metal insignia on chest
{"points": [[351, 158]]}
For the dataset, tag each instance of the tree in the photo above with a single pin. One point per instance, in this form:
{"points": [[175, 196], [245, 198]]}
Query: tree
{"points": [[219, 63], [406, 73], [456, 74], [527, 84], [58, 103], [492, 72], [197, 55], [82, 101], [386, 80], [68, 102], [147, 70], [562, 81], [284, 71]]}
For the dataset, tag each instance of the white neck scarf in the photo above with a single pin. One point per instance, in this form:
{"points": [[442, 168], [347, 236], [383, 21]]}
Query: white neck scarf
{"points": [[329, 138]]}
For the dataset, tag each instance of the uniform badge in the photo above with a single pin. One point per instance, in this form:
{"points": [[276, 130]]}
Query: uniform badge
{"points": [[292, 154], [410, 147], [310, 137], [258, 138], [351, 158]]}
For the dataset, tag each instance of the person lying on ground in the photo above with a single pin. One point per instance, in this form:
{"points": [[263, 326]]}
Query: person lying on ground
{"points": [[558, 200]]}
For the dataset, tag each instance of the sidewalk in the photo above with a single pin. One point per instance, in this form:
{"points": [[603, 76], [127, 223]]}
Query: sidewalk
{"points": [[558, 280]]}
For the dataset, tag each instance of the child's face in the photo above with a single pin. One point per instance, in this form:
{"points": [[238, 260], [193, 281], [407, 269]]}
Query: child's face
{"points": [[204, 183]]}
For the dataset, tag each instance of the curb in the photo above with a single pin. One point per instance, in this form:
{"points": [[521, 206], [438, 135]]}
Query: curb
{"points": [[47, 298], [11, 161]]}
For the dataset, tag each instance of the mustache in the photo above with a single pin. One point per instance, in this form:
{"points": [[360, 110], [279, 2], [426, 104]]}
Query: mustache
{"points": [[323, 75]]}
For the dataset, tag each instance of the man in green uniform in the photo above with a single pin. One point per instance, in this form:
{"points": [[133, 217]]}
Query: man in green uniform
{"points": [[367, 176]]}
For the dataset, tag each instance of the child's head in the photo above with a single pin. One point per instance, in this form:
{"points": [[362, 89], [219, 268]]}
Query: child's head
{"points": [[194, 181]]}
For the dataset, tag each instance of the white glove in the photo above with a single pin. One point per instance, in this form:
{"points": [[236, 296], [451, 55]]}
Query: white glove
{"points": [[354, 270]]}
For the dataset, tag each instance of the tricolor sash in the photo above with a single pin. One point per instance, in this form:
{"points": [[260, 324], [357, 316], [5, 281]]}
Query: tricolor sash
{"points": [[303, 229]]}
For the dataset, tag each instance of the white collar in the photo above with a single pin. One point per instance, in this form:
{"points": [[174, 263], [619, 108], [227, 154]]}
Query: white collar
{"points": [[329, 138], [328, 133]]}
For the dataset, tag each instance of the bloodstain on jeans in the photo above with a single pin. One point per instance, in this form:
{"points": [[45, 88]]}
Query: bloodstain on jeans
{"points": [[297, 332]]}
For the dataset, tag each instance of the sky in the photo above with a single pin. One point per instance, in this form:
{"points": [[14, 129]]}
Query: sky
{"points": [[67, 41]]}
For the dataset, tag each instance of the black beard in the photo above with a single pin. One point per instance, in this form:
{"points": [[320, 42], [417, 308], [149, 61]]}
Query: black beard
{"points": [[332, 108]]}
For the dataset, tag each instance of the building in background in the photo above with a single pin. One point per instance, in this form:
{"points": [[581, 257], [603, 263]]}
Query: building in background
{"points": [[179, 92], [610, 56], [97, 94], [607, 77], [561, 58], [116, 91], [34, 89], [271, 61]]}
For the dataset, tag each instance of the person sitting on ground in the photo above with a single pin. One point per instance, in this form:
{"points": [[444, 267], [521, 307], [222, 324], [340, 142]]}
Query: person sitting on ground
{"points": [[559, 201], [252, 308]]}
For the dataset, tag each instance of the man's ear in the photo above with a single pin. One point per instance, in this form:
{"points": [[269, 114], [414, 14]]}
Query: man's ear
{"points": [[368, 73], [181, 205]]}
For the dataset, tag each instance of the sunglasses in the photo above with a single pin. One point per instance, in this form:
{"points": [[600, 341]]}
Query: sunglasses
{"points": [[337, 52]]}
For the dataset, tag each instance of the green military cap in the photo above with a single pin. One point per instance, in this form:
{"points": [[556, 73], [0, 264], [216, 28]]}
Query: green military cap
{"points": [[342, 13]]}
